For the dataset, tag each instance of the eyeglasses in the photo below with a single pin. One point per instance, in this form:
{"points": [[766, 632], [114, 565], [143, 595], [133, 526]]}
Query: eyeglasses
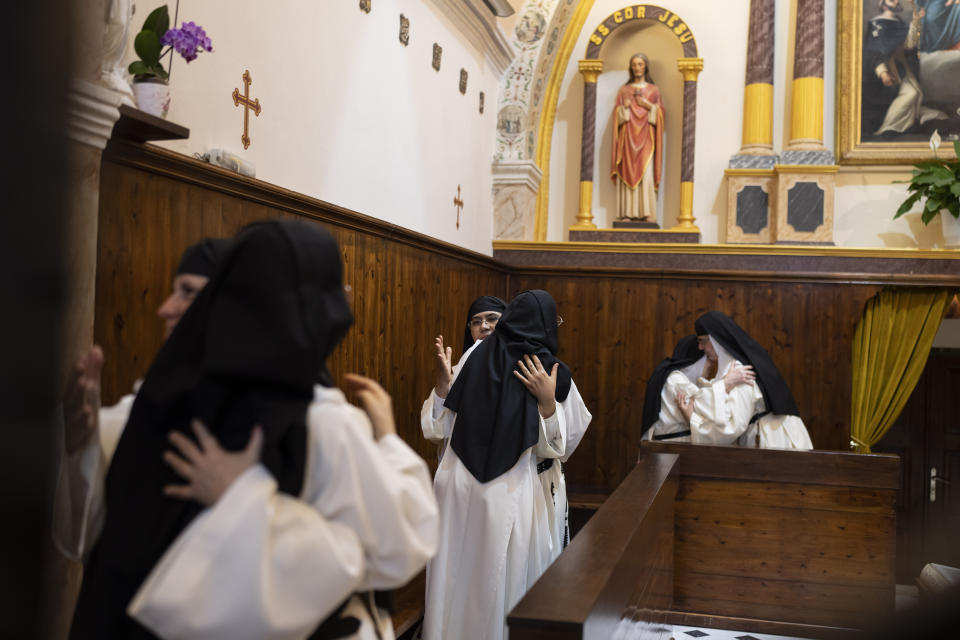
{"points": [[477, 321]]}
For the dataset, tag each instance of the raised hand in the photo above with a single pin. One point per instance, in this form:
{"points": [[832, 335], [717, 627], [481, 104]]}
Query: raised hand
{"points": [[81, 404], [208, 469], [376, 402], [540, 384], [737, 375], [444, 368]]}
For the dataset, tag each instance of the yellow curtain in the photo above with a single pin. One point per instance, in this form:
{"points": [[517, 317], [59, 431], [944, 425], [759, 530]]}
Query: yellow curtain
{"points": [[890, 349]]}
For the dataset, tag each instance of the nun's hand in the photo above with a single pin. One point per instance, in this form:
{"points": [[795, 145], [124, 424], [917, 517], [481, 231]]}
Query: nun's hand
{"points": [[540, 384], [376, 402], [685, 403], [444, 368], [208, 469], [738, 375], [81, 404]]}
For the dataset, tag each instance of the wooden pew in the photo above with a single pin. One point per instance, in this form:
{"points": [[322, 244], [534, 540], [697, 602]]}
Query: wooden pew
{"points": [[784, 542], [623, 557], [807, 537]]}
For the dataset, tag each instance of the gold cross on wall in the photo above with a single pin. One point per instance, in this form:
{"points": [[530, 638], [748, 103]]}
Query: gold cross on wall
{"points": [[248, 104], [458, 203]]}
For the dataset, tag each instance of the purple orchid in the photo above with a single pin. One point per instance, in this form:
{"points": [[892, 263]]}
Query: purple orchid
{"points": [[188, 40]]}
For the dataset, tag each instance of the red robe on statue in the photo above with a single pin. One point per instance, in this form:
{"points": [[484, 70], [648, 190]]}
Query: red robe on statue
{"points": [[637, 141]]}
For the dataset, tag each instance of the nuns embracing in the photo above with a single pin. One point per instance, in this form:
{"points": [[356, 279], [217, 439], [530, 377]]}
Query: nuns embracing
{"points": [[247, 498], [721, 387], [513, 416]]}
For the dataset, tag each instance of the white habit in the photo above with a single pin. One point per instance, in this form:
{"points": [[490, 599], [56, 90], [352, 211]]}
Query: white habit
{"points": [[260, 564], [721, 417], [498, 537]]}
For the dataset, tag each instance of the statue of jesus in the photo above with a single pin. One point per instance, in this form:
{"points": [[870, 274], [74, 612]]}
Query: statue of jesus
{"points": [[637, 143]]}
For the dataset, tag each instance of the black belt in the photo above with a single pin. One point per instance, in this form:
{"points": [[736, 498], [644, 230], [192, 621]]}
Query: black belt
{"points": [[671, 436], [543, 466]]}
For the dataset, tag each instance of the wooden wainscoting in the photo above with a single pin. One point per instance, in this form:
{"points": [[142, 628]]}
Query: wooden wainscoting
{"points": [[619, 322], [407, 288]]}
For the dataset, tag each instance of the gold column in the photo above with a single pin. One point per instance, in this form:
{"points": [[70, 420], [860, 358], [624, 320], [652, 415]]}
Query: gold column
{"points": [[591, 70], [757, 119], [690, 68], [806, 122]]}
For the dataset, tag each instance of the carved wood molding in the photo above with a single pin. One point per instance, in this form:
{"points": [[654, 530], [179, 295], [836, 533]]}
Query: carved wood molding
{"points": [[177, 166]]}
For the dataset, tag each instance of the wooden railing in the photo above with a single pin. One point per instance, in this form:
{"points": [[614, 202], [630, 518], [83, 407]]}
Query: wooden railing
{"points": [[795, 543], [622, 558]]}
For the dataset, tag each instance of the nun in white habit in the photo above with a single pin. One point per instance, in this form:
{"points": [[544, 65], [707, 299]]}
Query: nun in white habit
{"points": [[732, 394], [511, 413], [278, 519]]}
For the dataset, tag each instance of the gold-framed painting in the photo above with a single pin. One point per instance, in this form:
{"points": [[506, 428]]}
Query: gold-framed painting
{"points": [[898, 80]]}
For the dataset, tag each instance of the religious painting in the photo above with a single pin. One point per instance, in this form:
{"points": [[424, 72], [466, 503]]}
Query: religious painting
{"points": [[530, 27], [463, 81], [404, 30], [481, 101], [900, 60], [365, 6], [437, 52]]}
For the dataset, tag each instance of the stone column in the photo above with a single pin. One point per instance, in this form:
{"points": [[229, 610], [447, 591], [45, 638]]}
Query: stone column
{"points": [[751, 180], [92, 110], [690, 68], [758, 89], [806, 174], [591, 70], [806, 122]]}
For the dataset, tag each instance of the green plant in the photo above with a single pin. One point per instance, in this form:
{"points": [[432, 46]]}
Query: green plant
{"points": [[937, 182], [148, 47], [189, 40]]}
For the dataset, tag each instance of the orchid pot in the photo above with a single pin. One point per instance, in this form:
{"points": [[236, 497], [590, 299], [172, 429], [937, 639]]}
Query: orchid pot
{"points": [[150, 78], [152, 96]]}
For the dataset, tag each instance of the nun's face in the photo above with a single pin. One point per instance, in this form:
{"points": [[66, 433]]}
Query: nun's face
{"points": [[186, 286], [704, 344], [483, 324]]}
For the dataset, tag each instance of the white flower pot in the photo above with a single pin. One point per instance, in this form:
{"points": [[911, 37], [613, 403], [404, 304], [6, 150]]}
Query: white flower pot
{"points": [[152, 97], [951, 230]]}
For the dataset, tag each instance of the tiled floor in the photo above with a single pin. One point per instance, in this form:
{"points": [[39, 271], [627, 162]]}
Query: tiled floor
{"points": [[630, 629], [692, 633]]}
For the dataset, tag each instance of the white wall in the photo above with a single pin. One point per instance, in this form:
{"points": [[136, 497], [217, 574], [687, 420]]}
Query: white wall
{"points": [[350, 116]]}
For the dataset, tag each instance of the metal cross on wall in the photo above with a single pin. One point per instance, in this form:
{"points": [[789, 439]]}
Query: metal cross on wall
{"points": [[248, 104], [458, 203]]}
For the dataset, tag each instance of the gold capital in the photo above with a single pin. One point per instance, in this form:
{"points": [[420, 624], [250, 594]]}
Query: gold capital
{"points": [[690, 68], [591, 69]]}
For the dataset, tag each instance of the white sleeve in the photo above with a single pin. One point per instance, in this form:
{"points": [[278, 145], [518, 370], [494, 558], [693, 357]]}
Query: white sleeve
{"points": [[783, 432], [79, 506], [721, 417], [577, 418], [561, 433], [436, 421], [258, 564], [552, 442]]}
